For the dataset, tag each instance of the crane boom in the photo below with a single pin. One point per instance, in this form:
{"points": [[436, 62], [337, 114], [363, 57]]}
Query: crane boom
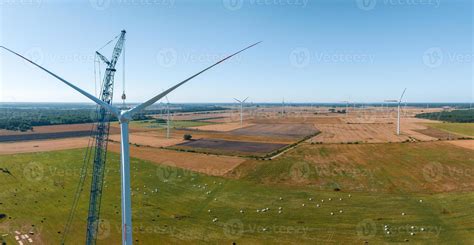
{"points": [[101, 139]]}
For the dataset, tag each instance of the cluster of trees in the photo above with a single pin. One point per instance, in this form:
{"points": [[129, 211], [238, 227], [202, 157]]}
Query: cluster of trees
{"points": [[461, 116], [25, 119]]}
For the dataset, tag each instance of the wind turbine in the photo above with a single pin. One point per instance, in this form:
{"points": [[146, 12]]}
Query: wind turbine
{"points": [[125, 116], [399, 101], [241, 109], [398, 113]]}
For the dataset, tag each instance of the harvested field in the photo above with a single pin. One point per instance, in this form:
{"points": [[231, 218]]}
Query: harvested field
{"points": [[233, 146], [54, 129], [278, 130], [438, 134], [221, 127], [412, 127], [146, 139], [58, 132], [43, 136], [215, 116], [43, 145], [468, 144], [370, 133], [207, 164]]}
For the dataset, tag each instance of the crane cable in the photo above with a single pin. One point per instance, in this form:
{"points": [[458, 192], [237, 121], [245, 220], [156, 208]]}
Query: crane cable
{"points": [[124, 97], [108, 42]]}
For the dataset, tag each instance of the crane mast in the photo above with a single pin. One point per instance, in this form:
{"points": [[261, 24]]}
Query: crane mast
{"points": [[101, 138]]}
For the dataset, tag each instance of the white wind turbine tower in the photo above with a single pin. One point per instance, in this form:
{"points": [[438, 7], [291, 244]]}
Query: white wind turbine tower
{"points": [[125, 116], [398, 113], [399, 101], [241, 110]]}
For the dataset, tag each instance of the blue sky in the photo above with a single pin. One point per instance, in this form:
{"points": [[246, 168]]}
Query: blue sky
{"points": [[312, 51]]}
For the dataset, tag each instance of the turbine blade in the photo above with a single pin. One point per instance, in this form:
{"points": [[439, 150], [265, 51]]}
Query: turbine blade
{"points": [[245, 100], [237, 100], [91, 97], [161, 95], [400, 101]]}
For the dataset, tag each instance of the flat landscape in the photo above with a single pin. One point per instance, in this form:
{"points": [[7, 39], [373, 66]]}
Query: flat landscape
{"points": [[236, 122], [345, 179]]}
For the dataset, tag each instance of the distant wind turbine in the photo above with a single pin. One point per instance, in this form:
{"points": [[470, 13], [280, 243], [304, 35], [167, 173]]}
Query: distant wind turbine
{"points": [[399, 101], [241, 109], [398, 114]]}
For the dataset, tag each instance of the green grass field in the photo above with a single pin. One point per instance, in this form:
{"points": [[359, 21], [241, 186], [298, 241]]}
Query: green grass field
{"points": [[39, 195], [426, 167], [466, 129]]}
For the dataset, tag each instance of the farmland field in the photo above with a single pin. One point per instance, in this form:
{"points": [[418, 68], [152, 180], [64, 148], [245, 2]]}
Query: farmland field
{"points": [[231, 146], [466, 129], [294, 130], [425, 167], [38, 194], [175, 124]]}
